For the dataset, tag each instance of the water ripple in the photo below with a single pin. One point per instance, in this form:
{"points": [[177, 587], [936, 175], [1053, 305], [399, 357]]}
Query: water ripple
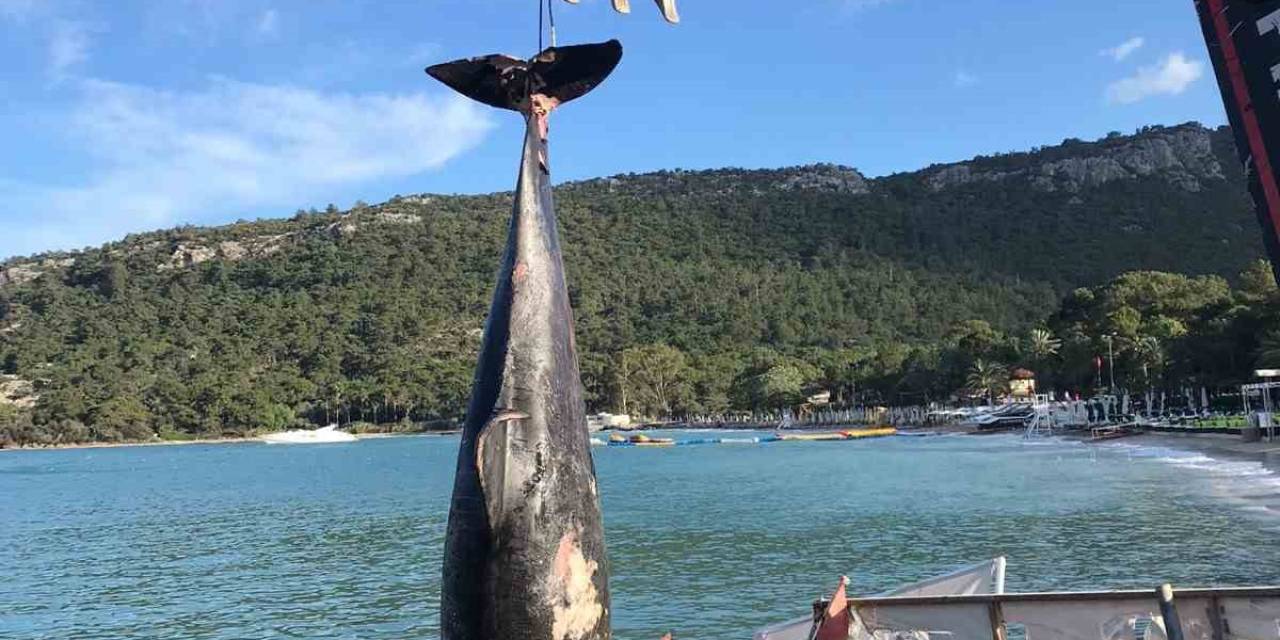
{"points": [[248, 541]]}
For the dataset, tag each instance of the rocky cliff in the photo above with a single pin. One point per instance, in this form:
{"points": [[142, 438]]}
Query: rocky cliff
{"points": [[1184, 156]]}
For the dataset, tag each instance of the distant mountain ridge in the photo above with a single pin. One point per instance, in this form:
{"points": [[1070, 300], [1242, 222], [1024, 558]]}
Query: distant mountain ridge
{"points": [[289, 315], [1183, 155], [1188, 157]]}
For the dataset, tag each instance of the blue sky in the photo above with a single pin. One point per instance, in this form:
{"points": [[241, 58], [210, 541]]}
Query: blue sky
{"points": [[133, 115]]}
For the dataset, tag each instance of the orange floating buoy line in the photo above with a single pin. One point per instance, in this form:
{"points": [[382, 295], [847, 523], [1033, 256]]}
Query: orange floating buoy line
{"points": [[642, 440]]}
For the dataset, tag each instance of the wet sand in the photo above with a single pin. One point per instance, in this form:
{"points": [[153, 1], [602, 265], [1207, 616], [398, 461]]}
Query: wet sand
{"points": [[1216, 445], [1249, 472]]}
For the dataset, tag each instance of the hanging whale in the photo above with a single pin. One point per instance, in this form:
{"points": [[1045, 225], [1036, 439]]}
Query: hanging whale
{"points": [[524, 554]]}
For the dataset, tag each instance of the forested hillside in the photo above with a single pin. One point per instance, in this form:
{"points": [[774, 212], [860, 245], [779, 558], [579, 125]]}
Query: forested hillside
{"points": [[750, 284]]}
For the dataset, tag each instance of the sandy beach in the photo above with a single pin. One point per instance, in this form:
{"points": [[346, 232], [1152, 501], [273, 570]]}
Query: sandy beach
{"points": [[1246, 473], [113, 445], [1216, 446], [167, 443]]}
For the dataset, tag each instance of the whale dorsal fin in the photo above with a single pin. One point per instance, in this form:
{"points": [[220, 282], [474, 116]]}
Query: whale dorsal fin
{"points": [[562, 73]]}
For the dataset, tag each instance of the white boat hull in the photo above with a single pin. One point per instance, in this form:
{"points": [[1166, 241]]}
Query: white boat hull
{"points": [[972, 603], [323, 435]]}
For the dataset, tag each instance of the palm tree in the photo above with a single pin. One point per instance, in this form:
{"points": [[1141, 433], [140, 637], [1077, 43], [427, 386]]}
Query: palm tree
{"points": [[987, 377], [1149, 353], [1041, 344], [1040, 347]]}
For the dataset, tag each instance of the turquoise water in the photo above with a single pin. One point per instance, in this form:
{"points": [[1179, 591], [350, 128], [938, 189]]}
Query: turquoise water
{"points": [[343, 541]]}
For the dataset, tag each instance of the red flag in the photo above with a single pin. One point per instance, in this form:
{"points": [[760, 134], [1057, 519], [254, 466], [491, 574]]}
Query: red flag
{"points": [[835, 622]]}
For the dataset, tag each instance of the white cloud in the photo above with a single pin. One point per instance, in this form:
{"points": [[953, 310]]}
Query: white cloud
{"points": [[963, 79], [268, 23], [166, 157], [1124, 49], [18, 9], [858, 5], [68, 47], [67, 41], [1172, 76]]}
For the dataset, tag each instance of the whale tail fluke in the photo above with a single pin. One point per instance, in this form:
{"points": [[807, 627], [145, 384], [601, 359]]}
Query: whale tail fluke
{"points": [[561, 73]]}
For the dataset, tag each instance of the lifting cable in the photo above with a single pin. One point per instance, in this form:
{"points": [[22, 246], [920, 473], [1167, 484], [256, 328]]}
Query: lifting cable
{"points": [[551, 19]]}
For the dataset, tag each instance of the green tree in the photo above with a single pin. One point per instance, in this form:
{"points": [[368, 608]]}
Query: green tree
{"points": [[1041, 344], [990, 378], [123, 418], [1150, 355], [657, 379], [1257, 283], [779, 386], [1269, 350], [276, 417]]}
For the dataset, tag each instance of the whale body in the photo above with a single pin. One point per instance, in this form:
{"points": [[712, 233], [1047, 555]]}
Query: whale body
{"points": [[524, 553]]}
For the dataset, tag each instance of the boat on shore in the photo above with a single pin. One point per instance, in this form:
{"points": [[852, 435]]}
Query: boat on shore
{"points": [[602, 421], [1113, 432], [984, 577], [323, 435], [972, 603], [1014, 415]]}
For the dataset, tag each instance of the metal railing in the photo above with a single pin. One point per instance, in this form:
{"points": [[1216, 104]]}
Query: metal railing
{"points": [[1204, 614]]}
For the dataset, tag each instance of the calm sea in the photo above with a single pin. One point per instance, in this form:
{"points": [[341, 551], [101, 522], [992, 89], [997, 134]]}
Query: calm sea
{"points": [[343, 541]]}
